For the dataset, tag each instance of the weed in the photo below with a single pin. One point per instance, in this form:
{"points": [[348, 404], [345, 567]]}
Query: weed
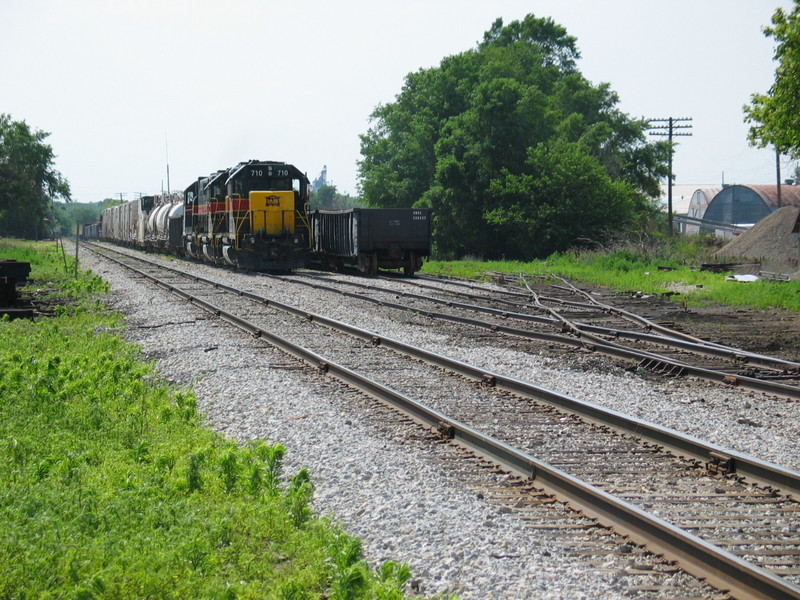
{"points": [[229, 470], [635, 265], [298, 497]]}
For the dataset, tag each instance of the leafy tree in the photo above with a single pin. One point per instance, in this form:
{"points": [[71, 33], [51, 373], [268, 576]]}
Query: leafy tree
{"points": [[69, 214], [774, 115], [328, 198], [544, 209], [28, 181], [458, 133]]}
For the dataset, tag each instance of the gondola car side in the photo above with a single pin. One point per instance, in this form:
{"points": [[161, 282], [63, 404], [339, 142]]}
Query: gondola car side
{"points": [[372, 238]]}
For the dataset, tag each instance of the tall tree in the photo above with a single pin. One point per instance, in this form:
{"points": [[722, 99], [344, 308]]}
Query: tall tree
{"points": [[459, 133], [775, 116], [28, 180]]}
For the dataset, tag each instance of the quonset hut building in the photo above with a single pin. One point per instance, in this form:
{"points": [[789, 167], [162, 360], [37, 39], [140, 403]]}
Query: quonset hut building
{"points": [[746, 205]]}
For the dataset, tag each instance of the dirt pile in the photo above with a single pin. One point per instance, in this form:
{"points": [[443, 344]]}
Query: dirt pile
{"points": [[774, 242]]}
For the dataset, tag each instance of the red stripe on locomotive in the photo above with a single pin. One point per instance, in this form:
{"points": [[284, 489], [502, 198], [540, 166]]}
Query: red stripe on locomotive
{"points": [[240, 204]]}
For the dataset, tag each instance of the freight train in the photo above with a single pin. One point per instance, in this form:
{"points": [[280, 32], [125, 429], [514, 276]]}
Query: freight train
{"points": [[255, 216]]}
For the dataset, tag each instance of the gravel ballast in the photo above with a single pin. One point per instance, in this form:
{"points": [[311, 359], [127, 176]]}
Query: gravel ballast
{"points": [[365, 476]]}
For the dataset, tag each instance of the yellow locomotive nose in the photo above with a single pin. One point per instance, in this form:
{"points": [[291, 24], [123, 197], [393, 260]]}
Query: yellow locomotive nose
{"points": [[273, 212]]}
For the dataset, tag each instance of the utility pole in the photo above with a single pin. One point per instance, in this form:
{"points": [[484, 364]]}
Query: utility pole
{"points": [[671, 127], [166, 148], [778, 173], [77, 245]]}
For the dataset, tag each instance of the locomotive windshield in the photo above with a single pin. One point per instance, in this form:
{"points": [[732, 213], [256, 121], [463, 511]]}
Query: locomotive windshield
{"points": [[258, 179]]}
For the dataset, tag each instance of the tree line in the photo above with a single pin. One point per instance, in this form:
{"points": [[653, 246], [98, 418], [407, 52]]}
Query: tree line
{"points": [[29, 182]]}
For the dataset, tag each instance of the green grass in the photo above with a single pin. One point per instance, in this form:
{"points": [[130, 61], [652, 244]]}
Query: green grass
{"points": [[53, 273], [111, 485], [637, 268]]}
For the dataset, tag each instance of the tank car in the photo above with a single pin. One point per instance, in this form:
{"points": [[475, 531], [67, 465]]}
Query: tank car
{"points": [[372, 238], [141, 223], [163, 210]]}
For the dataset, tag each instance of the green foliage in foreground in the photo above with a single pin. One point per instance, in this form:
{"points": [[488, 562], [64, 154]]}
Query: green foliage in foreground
{"points": [[53, 273], [641, 268], [112, 487]]}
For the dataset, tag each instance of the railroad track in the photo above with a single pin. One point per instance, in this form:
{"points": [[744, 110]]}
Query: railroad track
{"points": [[704, 506], [652, 346]]}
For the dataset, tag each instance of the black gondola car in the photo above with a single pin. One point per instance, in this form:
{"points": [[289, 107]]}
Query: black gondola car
{"points": [[372, 238]]}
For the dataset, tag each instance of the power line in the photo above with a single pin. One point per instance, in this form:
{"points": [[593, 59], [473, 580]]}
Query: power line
{"points": [[671, 127]]}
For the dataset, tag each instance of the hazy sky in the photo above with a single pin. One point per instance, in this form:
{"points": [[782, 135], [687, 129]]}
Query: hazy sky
{"points": [[118, 82]]}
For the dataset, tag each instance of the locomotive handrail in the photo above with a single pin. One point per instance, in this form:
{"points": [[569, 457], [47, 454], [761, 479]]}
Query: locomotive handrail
{"points": [[303, 216], [240, 223]]}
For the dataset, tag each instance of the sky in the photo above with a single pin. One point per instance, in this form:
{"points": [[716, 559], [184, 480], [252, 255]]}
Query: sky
{"points": [[127, 87]]}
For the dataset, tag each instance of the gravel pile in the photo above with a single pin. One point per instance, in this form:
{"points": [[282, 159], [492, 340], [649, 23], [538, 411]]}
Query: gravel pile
{"points": [[365, 478], [774, 241]]}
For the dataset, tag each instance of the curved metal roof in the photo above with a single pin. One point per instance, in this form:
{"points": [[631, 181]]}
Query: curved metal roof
{"points": [[790, 194]]}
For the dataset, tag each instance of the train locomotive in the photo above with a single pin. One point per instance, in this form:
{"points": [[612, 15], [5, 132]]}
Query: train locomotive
{"points": [[252, 216], [255, 216]]}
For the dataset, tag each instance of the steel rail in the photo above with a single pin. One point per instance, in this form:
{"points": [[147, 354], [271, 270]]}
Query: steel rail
{"points": [[761, 472], [460, 283], [633, 316], [705, 348], [643, 358], [721, 568], [648, 324], [668, 335], [596, 343]]}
